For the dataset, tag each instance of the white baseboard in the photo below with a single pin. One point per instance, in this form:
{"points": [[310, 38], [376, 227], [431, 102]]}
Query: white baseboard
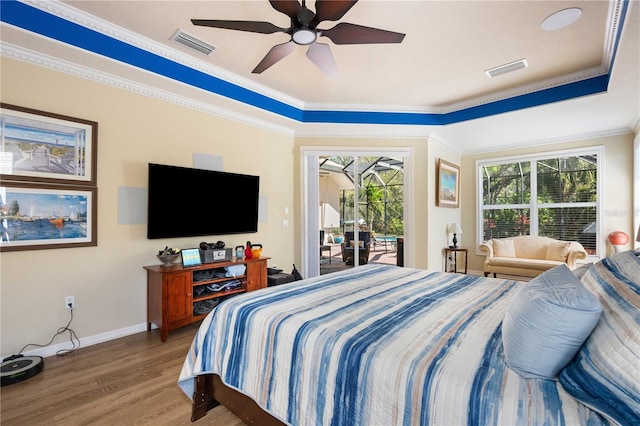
{"points": [[89, 340]]}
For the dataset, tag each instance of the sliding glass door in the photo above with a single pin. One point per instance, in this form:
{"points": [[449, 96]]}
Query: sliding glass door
{"points": [[361, 207]]}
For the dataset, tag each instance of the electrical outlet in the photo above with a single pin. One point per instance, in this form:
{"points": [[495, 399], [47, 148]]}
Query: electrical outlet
{"points": [[70, 302]]}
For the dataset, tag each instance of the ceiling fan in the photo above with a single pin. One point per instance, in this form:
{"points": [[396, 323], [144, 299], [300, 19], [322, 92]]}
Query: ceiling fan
{"points": [[304, 31]]}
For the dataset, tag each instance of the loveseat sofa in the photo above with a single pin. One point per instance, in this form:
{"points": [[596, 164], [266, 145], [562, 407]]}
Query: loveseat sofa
{"points": [[529, 255]]}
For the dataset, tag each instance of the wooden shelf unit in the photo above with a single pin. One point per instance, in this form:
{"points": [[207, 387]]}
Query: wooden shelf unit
{"points": [[170, 290]]}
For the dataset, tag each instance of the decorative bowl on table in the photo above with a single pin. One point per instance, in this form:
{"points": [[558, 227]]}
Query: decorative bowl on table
{"points": [[168, 259]]}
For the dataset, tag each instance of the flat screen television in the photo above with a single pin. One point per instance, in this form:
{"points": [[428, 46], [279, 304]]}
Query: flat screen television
{"points": [[185, 202]]}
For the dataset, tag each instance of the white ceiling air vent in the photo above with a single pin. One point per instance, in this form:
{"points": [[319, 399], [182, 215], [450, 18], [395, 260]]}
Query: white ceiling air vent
{"points": [[190, 41], [506, 68]]}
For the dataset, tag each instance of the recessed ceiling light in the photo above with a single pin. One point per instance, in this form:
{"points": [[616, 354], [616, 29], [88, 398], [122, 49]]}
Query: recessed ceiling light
{"points": [[561, 19]]}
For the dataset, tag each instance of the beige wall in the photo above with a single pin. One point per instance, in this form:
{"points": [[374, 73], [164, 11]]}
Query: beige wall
{"points": [[108, 280], [439, 217], [617, 187]]}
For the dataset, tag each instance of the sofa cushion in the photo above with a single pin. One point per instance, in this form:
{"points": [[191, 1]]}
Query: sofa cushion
{"points": [[512, 262], [558, 250], [604, 374], [531, 247], [547, 322], [504, 248]]}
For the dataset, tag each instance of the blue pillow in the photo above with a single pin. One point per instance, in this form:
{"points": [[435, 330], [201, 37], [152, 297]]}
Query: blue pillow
{"points": [[547, 322]]}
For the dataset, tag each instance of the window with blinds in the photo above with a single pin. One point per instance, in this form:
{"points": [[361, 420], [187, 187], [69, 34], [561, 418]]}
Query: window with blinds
{"points": [[554, 195]]}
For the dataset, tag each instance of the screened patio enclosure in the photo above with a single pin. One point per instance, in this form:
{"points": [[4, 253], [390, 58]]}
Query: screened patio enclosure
{"points": [[373, 186]]}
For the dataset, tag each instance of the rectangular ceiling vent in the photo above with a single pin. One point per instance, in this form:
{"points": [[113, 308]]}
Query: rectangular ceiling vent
{"points": [[507, 68], [192, 42]]}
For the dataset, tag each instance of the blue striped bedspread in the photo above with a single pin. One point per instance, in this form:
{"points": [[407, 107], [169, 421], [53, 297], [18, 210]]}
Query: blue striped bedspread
{"points": [[377, 345]]}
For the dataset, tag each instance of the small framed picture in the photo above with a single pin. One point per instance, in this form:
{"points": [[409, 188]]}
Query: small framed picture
{"points": [[447, 184], [38, 216], [191, 257], [39, 146]]}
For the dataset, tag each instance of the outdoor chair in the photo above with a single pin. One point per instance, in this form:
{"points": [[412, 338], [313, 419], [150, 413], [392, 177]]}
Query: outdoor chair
{"points": [[67, 162], [348, 249], [323, 246]]}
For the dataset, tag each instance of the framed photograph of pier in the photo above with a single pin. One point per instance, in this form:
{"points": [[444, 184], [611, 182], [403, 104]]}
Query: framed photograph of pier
{"points": [[447, 184], [42, 216], [39, 146]]}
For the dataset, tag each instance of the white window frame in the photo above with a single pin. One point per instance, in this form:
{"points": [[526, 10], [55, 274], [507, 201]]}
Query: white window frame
{"points": [[533, 205]]}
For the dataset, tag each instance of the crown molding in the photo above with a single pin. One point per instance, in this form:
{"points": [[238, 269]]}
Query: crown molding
{"points": [[611, 32], [552, 141], [363, 131], [439, 139], [55, 64]]}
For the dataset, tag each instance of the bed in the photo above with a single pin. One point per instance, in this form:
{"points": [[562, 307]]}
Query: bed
{"points": [[383, 345]]}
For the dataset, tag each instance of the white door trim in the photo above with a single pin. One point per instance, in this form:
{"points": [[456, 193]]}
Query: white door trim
{"points": [[310, 238]]}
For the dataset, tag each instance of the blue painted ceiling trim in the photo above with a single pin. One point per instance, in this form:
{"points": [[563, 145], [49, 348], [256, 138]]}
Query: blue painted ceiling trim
{"points": [[40, 22]]}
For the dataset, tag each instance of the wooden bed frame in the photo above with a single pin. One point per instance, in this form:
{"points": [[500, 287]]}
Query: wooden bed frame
{"points": [[210, 392]]}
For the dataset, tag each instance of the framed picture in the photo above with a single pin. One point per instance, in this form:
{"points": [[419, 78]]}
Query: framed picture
{"points": [[39, 216], [45, 147], [447, 184]]}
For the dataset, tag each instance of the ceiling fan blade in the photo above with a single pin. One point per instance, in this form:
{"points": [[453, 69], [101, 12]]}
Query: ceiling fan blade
{"points": [[288, 7], [276, 53], [345, 33], [320, 54], [332, 10], [250, 26]]}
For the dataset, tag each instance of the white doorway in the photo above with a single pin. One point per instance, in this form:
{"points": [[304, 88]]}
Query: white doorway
{"points": [[315, 210]]}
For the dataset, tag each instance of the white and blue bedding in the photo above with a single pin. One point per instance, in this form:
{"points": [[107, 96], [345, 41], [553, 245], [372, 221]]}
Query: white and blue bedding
{"points": [[605, 374], [377, 345]]}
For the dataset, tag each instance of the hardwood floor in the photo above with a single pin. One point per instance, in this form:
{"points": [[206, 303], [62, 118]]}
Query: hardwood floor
{"points": [[128, 381]]}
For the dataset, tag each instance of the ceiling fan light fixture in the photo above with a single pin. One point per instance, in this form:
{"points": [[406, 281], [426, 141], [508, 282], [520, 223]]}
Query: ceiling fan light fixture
{"points": [[561, 19], [304, 36]]}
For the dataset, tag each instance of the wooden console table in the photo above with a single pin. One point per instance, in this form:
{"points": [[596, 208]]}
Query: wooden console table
{"points": [[170, 290]]}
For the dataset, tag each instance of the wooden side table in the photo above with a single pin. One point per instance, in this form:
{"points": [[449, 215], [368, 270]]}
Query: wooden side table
{"points": [[455, 251]]}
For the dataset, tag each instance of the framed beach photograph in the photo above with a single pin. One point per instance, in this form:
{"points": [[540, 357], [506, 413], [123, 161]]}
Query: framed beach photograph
{"points": [[37, 216], [447, 184], [46, 147]]}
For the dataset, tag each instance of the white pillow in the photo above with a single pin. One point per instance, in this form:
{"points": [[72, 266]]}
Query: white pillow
{"points": [[547, 322], [558, 250], [504, 248]]}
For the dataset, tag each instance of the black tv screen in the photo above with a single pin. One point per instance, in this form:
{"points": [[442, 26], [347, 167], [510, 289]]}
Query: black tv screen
{"points": [[186, 202]]}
